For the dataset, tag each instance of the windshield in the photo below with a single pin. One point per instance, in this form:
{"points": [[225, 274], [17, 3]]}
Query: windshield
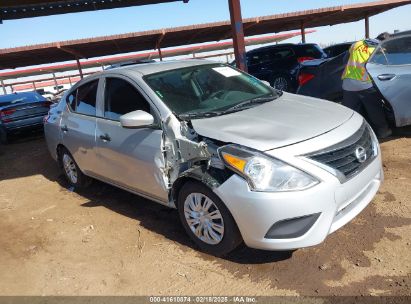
{"points": [[212, 88], [14, 98]]}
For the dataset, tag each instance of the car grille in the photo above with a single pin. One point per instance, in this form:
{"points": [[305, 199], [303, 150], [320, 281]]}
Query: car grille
{"points": [[349, 157]]}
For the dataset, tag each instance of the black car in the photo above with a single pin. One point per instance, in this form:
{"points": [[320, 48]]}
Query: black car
{"points": [[322, 78], [21, 111], [337, 49], [279, 64]]}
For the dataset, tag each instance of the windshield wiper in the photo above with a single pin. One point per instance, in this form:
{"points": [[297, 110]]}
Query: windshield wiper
{"points": [[193, 115], [250, 102]]}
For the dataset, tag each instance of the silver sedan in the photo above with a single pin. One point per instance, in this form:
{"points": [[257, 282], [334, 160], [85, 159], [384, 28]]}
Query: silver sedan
{"points": [[238, 159]]}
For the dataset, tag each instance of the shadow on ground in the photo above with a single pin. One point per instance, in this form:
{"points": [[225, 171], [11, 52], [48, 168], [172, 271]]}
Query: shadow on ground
{"points": [[306, 271]]}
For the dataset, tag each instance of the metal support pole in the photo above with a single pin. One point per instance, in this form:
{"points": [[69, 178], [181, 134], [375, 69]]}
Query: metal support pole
{"points": [[238, 34], [55, 81], [367, 27], [160, 55], [3, 86], [79, 68], [70, 81], [34, 85], [303, 32]]}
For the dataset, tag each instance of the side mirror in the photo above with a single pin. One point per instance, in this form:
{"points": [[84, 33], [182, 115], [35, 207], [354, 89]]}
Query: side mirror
{"points": [[136, 119]]}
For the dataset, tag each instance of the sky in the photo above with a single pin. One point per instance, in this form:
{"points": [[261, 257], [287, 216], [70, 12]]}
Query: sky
{"points": [[122, 20], [54, 28]]}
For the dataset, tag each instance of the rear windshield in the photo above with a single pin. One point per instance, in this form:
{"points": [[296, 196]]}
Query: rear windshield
{"points": [[311, 50], [15, 98]]}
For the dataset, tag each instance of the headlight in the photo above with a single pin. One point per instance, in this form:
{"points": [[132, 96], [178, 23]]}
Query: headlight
{"points": [[264, 173]]}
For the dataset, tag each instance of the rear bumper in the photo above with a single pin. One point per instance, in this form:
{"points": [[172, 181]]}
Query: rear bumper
{"points": [[24, 124], [330, 203]]}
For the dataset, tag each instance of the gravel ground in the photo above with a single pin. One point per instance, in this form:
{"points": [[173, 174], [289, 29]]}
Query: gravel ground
{"points": [[105, 241]]}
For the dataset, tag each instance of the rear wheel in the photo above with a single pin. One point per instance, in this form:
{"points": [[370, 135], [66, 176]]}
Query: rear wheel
{"points": [[281, 82], [72, 172], [207, 220]]}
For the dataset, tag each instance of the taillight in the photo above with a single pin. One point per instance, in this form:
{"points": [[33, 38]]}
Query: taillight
{"points": [[7, 112], [306, 58], [4, 113], [303, 78]]}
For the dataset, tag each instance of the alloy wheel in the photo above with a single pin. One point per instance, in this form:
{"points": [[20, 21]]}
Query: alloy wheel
{"points": [[280, 83], [70, 168], [204, 218]]}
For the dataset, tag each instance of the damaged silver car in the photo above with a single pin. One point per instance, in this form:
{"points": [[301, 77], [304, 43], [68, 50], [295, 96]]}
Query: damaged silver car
{"points": [[240, 160]]}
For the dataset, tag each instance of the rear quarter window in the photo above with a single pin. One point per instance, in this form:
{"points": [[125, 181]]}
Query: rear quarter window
{"points": [[83, 99]]}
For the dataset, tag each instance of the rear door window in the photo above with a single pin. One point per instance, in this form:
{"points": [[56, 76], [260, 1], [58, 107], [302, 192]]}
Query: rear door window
{"points": [[258, 57], [394, 52], [83, 99], [120, 97], [280, 54]]}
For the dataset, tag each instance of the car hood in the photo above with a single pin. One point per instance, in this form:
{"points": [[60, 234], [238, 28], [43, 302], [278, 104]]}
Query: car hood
{"points": [[287, 120]]}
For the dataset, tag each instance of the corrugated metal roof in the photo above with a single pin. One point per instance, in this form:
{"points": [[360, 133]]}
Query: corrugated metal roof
{"points": [[11, 9], [185, 35]]}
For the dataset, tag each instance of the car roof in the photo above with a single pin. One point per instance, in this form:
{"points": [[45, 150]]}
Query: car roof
{"points": [[281, 45], [339, 44], [155, 67]]}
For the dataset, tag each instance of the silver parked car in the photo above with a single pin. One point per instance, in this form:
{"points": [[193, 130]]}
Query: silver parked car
{"points": [[390, 70], [238, 159]]}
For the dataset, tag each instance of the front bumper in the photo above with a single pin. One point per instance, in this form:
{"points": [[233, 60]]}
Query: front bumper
{"points": [[337, 204]]}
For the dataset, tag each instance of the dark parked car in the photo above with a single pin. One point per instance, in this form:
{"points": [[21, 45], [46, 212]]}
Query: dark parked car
{"points": [[279, 64], [21, 111], [322, 78], [337, 49], [390, 71]]}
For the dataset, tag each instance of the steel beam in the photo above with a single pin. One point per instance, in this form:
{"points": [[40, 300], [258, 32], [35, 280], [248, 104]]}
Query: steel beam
{"points": [[238, 34], [4, 88], [367, 26], [303, 32], [55, 82], [79, 68]]}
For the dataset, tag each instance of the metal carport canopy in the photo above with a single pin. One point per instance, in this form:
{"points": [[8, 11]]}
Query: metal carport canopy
{"points": [[12, 9], [169, 37]]}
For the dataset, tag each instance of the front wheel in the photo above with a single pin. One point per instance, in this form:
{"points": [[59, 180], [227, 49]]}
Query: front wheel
{"points": [[72, 172], [207, 220]]}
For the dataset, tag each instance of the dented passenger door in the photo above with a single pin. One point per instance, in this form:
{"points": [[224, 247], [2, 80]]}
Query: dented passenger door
{"points": [[129, 158]]}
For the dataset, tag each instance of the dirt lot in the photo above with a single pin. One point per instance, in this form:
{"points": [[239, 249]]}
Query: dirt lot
{"points": [[108, 242]]}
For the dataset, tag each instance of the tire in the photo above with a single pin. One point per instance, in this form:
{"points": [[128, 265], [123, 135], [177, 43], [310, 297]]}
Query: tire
{"points": [[281, 82], [192, 207], [3, 137], [71, 170]]}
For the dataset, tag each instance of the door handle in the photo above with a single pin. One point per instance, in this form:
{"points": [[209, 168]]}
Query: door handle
{"points": [[64, 128], [385, 77], [105, 137]]}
